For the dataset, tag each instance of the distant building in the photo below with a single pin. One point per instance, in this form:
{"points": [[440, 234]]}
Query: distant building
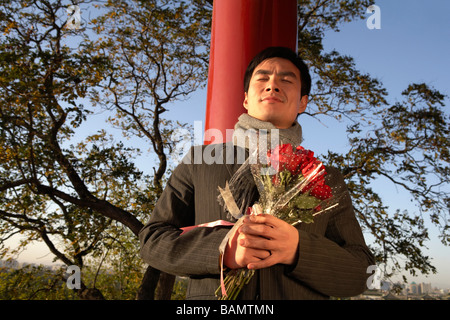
{"points": [[413, 288], [419, 288], [426, 287]]}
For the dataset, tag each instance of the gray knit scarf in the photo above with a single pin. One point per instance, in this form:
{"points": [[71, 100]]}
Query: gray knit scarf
{"points": [[251, 133], [247, 124]]}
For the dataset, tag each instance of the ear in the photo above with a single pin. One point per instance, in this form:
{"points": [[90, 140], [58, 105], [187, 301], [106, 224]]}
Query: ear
{"points": [[245, 103], [303, 103]]}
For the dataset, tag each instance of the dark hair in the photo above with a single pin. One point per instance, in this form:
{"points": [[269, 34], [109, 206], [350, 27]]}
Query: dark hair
{"points": [[280, 52]]}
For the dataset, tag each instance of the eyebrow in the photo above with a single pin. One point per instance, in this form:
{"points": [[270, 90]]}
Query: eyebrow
{"points": [[282, 73]]}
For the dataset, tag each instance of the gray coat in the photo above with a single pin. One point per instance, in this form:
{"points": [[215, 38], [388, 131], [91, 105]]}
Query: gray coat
{"points": [[332, 254]]}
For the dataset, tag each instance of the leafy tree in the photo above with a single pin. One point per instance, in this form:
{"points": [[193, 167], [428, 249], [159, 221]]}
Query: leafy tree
{"points": [[405, 143], [78, 197], [156, 61], [409, 148]]}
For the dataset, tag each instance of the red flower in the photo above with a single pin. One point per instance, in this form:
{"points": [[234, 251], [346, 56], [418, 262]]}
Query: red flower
{"points": [[298, 160], [321, 190], [286, 157]]}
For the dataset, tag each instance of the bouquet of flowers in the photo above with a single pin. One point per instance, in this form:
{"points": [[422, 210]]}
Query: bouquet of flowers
{"points": [[292, 187]]}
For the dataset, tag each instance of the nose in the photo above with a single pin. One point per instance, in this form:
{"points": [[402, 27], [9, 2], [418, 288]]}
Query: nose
{"points": [[271, 87]]}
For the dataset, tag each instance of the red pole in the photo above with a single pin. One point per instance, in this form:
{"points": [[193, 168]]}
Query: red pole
{"points": [[241, 29]]}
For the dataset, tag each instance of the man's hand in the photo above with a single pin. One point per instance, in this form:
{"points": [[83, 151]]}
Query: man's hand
{"points": [[237, 256], [266, 232], [262, 241]]}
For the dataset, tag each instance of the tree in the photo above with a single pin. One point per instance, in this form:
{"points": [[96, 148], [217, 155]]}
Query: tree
{"points": [[49, 190], [157, 61], [406, 143], [408, 148], [75, 194]]}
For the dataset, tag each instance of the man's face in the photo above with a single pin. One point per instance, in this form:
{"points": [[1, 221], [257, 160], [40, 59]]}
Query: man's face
{"points": [[274, 93]]}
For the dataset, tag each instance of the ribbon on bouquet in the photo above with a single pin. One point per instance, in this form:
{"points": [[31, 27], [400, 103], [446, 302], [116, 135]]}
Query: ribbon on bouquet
{"points": [[212, 224]]}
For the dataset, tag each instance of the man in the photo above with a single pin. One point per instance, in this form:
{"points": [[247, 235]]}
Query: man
{"points": [[310, 261]]}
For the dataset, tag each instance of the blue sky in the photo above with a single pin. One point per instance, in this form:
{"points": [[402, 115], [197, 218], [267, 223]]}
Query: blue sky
{"points": [[413, 45]]}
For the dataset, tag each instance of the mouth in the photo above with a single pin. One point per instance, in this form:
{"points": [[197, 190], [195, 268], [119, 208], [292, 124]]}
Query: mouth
{"points": [[272, 99]]}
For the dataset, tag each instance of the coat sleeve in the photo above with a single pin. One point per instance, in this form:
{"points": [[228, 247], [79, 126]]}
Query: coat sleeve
{"points": [[162, 245], [335, 263]]}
